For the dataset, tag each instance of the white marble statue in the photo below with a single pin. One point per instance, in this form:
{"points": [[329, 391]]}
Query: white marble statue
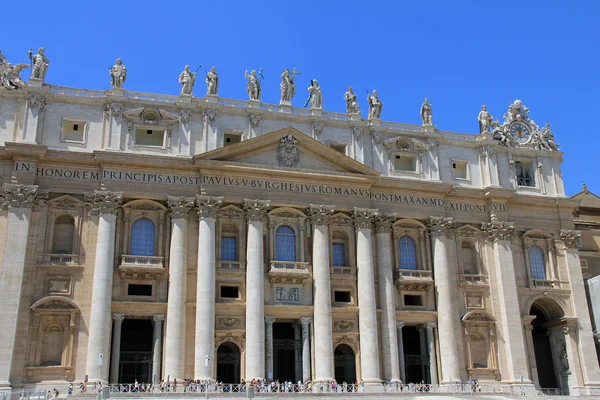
{"points": [[9, 74], [351, 104], [315, 97], [288, 87], [39, 64], [253, 84], [427, 113], [187, 79], [485, 120], [118, 74], [516, 111], [212, 81], [545, 139], [375, 105]]}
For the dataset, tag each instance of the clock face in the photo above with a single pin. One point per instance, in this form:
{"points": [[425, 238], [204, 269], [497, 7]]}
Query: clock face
{"points": [[520, 132]]}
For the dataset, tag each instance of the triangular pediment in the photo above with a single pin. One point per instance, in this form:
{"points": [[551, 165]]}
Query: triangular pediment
{"points": [[286, 149], [587, 199]]}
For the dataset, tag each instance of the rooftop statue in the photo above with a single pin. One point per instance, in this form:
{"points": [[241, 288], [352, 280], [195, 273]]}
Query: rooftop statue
{"points": [[287, 86], [545, 139], [485, 120], [516, 111], [521, 131], [427, 113], [39, 64], [253, 85], [375, 105], [118, 74], [212, 81], [9, 74], [315, 97], [351, 104], [187, 79]]}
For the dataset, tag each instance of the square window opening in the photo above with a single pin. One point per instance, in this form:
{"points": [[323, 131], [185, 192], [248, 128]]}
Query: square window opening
{"points": [[72, 131], [342, 296], [413, 300], [340, 148], [230, 292], [405, 163], [459, 169], [149, 137], [139, 290], [231, 138]]}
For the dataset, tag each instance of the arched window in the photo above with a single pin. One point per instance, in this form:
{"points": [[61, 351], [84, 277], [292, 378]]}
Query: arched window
{"points": [[469, 258], [538, 266], [285, 244], [64, 231], [408, 253], [142, 238], [338, 249]]}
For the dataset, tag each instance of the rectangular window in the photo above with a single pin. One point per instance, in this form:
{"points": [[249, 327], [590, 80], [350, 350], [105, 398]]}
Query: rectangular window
{"points": [[339, 254], [73, 131], [405, 163], [413, 300], [524, 172], [342, 296], [340, 148], [228, 248], [230, 292], [139, 290], [231, 138], [459, 169], [150, 137]]}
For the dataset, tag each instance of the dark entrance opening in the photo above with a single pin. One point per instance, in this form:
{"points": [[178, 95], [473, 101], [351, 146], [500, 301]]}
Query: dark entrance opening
{"points": [[416, 360], [284, 352], [542, 349], [135, 360], [345, 364], [228, 363]]}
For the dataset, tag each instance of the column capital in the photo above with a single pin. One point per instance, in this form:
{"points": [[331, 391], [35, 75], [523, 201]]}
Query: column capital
{"points": [[497, 230], [36, 101], [103, 202], [22, 196], [118, 317], [180, 206], [269, 319], [363, 217], [384, 221], [430, 325], [158, 318], [399, 324], [254, 120], [305, 320], [441, 226], [114, 109], [256, 209], [208, 206], [320, 214], [210, 114], [571, 238]]}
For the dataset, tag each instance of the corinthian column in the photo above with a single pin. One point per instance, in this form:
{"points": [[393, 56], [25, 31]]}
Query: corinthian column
{"points": [[441, 231], [255, 293], [19, 200], [175, 333], [105, 205], [324, 368], [205, 286], [387, 297], [367, 308]]}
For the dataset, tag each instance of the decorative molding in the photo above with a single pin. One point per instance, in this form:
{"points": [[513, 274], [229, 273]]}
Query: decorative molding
{"points": [[114, 109], [254, 120], [363, 217], [305, 320], [211, 115], [256, 209], [229, 322], [288, 154], [357, 131], [400, 324], [22, 196], [377, 137], [184, 116], [441, 226], [36, 101], [158, 318], [208, 206], [432, 143], [571, 238], [320, 214], [269, 319], [118, 317], [497, 230], [383, 222], [180, 206], [103, 202], [317, 128], [343, 326]]}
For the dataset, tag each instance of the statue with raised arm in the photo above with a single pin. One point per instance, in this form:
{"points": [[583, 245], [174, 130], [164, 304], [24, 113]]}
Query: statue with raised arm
{"points": [[427, 113], [9, 74], [375, 105], [351, 104], [253, 85], [546, 139], [288, 87], [118, 74], [212, 81], [516, 111], [39, 65], [187, 79], [315, 97], [485, 120]]}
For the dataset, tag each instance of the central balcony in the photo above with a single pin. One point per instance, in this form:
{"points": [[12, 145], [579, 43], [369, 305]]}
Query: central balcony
{"points": [[60, 260], [142, 267], [413, 279], [289, 272], [470, 280]]}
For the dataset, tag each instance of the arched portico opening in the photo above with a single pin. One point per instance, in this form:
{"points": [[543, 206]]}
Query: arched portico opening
{"points": [[345, 364], [228, 363]]}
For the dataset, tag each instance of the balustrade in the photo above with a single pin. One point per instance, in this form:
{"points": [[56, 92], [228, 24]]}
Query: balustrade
{"points": [[68, 260]]}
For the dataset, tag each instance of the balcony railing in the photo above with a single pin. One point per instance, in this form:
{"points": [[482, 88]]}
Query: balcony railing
{"points": [[472, 279], [289, 272], [231, 265], [342, 270], [67, 260], [545, 284], [142, 267], [412, 274], [413, 279]]}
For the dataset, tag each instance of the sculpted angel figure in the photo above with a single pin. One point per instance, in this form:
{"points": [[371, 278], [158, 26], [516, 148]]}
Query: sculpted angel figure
{"points": [[9, 74], [212, 81], [351, 104], [187, 79], [288, 87], [427, 113], [40, 64], [375, 105], [546, 139], [253, 85], [485, 120], [316, 96], [118, 74], [516, 111]]}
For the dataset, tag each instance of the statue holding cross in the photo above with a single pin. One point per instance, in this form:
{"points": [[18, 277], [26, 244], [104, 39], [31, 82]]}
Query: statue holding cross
{"points": [[288, 86]]}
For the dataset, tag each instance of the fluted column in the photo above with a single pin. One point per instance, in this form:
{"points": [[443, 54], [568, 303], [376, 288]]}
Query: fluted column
{"points": [[433, 373], [324, 367], [269, 345], [399, 326], [205, 287], [105, 205], [304, 321], [387, 297], [255, 275], [115, 355], [441, 231], [504, 287], [157, 320], [176, 311], [367, 307], [19, 200]]}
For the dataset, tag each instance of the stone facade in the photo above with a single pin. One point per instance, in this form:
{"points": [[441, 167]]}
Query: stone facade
{"points": [[263, 242]]}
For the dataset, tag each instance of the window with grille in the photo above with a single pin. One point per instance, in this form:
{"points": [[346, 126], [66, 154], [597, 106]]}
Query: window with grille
{"points": [[524, 174], [228, 248], [142, 238], [285, 244], [538, 266], [408, 253], [339, 254]]}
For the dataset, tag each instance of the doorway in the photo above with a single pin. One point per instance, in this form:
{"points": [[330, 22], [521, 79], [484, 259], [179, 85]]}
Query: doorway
{"points": [[416, 360], [542, 349], [345, 364], [228, 363], [285, 348], [135, 361]]}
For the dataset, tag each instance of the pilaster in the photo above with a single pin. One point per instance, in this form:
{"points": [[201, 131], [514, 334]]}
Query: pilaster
{"points": [[35, 108], [114, 113]]}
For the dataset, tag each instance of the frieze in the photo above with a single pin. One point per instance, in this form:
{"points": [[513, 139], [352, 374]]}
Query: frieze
{"points": [[320, 214], [343, 326], [180, 206], [571, 238], [103, 202], [256, 209], [208, 206], [22, 196], [363, 217], [229, 322]]}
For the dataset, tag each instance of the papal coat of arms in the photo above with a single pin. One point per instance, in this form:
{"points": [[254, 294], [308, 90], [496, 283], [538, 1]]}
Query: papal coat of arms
{"points": [[287, 152]]}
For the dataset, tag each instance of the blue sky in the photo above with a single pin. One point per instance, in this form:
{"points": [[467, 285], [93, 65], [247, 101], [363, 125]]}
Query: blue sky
{"points": [[459, 54]]}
